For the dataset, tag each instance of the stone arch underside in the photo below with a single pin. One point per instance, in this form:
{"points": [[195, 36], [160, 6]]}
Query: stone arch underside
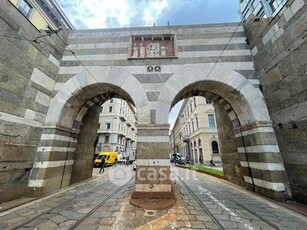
{"points": [[260, 165], [80, 95]]}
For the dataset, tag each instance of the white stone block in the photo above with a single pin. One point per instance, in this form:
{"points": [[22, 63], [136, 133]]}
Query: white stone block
{"points": [[288, 14], [54, 60], [297, 5], [85, 79], [42, 79], [43, 99], [19, 120], [254, 51], [30, 114]]}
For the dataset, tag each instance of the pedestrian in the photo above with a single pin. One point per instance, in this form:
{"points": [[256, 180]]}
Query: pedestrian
{"points": [[103, 161], [115, 163], [127, 160], [212, 163]]}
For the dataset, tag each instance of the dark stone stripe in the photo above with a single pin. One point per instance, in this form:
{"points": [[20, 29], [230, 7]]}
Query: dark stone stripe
{"points": [[176, 61], [213, 47], [57, 143], [97, 51], [262, 157], [270, 176], [209, 47], [41, 89], [249, 74], [54, 156], [40, 173], [181, 34], [56, 131], [259, 139], [279, 196], [62, 78], [97, 40], [152, 78], [152, 96], [209, 35]]}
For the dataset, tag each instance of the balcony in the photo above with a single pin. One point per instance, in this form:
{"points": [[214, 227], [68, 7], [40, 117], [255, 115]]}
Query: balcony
{"points": [[104, 131], [122, 117], [185, 138]]}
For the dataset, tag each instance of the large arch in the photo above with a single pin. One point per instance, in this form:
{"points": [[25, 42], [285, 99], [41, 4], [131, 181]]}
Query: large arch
{"points": [[67, 124], [260, 166]]}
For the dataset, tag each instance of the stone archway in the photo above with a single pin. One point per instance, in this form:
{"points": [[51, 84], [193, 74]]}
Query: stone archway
{"points": [[261, 166], [81, 94]]}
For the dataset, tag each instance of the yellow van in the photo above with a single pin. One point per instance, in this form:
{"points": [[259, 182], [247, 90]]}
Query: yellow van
{"points": [[110, 158]]}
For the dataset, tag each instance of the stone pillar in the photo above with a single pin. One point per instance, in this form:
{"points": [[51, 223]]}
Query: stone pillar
{"points": [[153, 164]]}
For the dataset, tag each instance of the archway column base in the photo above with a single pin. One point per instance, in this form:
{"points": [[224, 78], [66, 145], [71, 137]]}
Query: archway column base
{"points": [[153, 164], [153, 200]]}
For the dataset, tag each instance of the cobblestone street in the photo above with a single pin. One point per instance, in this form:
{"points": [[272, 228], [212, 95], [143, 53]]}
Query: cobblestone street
{"points": [[202, 202]]}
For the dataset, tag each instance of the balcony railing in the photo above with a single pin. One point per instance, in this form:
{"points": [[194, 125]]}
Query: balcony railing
{"points": [[122, 117], [185, 138]]}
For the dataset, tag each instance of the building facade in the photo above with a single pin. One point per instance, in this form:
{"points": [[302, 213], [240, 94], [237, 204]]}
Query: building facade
{"points": [[260, 8], [117, 132], [43, 14], [194, 133]]}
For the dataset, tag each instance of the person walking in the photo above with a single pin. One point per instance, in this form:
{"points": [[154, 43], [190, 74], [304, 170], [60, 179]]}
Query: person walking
{"points": [[103, 161]]}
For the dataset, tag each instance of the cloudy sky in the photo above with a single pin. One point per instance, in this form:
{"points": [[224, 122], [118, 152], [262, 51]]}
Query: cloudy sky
{"points": [[94, 14]]}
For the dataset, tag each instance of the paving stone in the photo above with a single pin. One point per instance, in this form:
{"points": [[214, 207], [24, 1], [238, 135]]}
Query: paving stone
{"points": [[228, 224], [197, 224], [58, 219], [203, 218], [47, 224]]}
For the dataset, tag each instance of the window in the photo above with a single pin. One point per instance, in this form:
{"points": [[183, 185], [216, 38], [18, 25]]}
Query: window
{"points": [[111, 101], [110, 109], [193, 126], [194, 99], [215, 147], [25, 8], [208, 101], [107, 139], [211, 121], [108, 125]]}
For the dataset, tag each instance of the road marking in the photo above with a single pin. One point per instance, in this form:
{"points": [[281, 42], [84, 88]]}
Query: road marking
{"points": [[208, 193]]}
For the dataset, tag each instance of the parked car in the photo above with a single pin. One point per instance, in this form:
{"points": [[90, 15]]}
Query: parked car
{"points": [[181, 162]]}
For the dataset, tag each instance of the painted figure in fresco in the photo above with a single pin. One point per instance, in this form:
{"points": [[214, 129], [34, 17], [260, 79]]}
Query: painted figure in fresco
{"points": [[142, 51], [135, 51], [163, 51]]}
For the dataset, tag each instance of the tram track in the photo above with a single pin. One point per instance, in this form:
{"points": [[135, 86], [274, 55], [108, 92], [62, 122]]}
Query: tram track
{"points": [[79, 222], [67, 205], [228, 199]]}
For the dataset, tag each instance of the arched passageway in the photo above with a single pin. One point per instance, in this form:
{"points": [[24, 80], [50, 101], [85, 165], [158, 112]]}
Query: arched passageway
{"points": [[66, 150], [252, 158]]}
